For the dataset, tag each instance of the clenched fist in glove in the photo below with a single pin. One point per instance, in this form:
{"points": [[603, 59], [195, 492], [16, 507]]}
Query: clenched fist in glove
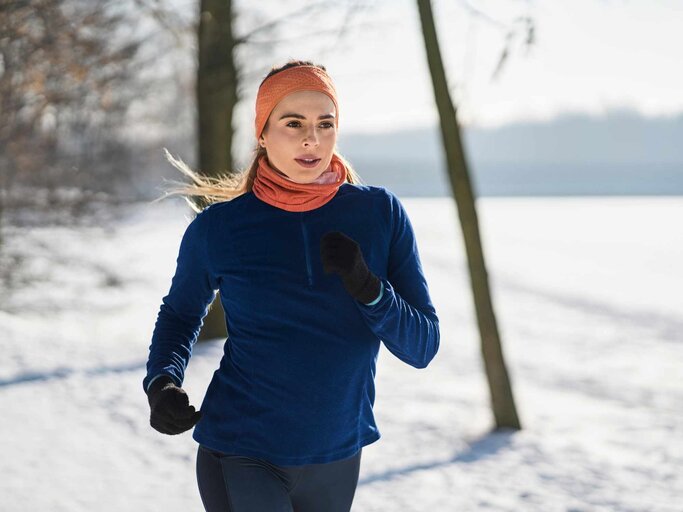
{"points": [[170, 409], [343, 256]]}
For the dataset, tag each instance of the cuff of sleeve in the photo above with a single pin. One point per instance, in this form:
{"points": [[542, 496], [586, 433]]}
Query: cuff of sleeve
{"points": [[155, 378], [379, 297]]}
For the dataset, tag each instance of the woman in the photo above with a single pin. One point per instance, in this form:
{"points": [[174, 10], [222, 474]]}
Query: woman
{"points": [[314, 270]]}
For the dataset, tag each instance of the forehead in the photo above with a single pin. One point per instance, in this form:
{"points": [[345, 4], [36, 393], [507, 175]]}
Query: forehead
{"points": [[305, 101]]}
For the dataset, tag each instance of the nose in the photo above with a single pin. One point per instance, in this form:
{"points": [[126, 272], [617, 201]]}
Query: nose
{"points": [[311, 137]]}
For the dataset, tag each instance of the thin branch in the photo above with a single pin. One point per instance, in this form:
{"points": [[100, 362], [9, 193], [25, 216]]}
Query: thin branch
{"points": [[478, 13], [354, 9], [325, 32], [306, 9], [163, 17], [510, 29], [529, 40]]}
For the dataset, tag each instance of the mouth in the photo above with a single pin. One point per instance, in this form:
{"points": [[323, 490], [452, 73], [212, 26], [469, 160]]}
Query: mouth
{"points": [[308, 163]]}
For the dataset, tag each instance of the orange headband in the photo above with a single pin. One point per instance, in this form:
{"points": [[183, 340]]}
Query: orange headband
{"points": [[282, 83]]}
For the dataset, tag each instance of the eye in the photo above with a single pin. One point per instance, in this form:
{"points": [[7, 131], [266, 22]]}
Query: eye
{"points": [[325, 124]]}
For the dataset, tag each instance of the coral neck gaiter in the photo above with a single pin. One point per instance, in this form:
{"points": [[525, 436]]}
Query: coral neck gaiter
{"points": [[277, 189]]}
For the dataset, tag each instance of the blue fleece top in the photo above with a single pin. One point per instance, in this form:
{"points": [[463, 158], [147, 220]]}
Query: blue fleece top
{"points": [[295, 384]]}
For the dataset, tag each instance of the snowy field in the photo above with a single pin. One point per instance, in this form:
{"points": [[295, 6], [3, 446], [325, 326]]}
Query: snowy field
{"points": [[589, 299]]}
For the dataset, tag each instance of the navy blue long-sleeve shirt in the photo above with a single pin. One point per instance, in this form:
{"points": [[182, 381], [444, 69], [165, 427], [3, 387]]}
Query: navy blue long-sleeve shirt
{"points": [[295, 384]]}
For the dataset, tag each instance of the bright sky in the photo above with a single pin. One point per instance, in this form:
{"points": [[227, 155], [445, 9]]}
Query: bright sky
{"points": [[590, 56]]}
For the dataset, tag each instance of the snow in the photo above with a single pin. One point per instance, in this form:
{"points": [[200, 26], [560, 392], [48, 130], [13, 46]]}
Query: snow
{"points": [[589, 303]]}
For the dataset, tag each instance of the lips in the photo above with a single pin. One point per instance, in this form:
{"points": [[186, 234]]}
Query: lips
{"points": [[308, 161]]}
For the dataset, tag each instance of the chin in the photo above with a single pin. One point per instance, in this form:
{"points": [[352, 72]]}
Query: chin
{"points": [[306, 179], [305, 175]]}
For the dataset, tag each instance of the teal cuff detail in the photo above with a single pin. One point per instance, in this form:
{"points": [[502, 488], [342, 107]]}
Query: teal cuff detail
{"points": [[156, 377], [381, 292]]}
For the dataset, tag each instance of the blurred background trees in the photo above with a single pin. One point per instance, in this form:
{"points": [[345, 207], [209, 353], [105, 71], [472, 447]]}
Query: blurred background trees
{"points": [[66, 69]]}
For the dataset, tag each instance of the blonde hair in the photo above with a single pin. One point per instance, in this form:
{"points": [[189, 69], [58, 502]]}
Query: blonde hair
{"points": [[229, 185]]}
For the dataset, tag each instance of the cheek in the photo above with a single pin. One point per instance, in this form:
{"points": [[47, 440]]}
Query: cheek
{"points": [[280, 136], [329, 135]]}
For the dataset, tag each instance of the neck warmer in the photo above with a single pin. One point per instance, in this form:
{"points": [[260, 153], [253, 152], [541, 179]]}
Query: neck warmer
{"points": [[277, 189]]}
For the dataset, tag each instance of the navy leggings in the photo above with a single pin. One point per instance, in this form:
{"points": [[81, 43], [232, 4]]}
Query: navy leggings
{"points": [[237, 483]]}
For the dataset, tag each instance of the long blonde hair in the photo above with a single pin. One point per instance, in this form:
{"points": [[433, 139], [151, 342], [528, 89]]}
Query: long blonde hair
{"points": [[228, 185]]}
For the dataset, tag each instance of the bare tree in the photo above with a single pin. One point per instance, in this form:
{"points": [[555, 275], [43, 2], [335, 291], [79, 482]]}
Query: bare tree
{"points": [[502, 399], [216, 95], [216, 91]]}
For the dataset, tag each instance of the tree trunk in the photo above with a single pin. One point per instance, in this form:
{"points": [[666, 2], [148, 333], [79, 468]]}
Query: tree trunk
{"points": [[216, 99], [502, 400]]}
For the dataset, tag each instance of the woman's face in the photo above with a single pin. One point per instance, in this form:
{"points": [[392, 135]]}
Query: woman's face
{"points": [[302, 125]]}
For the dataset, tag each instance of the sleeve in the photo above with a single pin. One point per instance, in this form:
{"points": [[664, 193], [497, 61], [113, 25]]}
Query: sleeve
{"points": [[181, 315], [403, 315]]}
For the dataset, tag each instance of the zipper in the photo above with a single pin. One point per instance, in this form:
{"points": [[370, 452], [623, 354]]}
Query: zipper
{"points": [[309, 273]]}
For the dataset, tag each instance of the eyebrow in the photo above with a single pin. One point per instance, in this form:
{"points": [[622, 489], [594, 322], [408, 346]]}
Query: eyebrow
{"points": [[299, 116]]}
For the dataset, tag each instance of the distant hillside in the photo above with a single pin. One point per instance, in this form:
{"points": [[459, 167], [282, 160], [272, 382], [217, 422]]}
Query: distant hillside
{"points": [[620, 154]]}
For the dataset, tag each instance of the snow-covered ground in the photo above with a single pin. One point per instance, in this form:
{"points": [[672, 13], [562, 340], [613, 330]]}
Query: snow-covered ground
{"points": [[589, 299]]}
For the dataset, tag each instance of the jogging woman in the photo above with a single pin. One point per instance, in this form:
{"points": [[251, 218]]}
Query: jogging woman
{"points": [[314, 271]]}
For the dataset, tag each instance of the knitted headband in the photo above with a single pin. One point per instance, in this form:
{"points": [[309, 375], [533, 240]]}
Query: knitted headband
{"points": [[282, 83]]}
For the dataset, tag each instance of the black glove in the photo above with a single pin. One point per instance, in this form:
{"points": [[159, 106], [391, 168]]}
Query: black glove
{"points": [[342, 255], [170, 409]]}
